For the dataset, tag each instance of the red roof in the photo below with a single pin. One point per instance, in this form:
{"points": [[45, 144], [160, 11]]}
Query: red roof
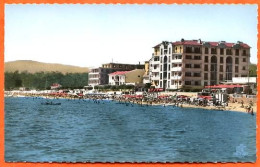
{"points": [[187, 42], [119, 73], [229, 45], [214, 44], [244, 45], [157, 46], [224, 86]]}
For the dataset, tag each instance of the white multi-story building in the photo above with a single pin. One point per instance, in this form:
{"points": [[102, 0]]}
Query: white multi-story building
{"points": [[193, 64]]}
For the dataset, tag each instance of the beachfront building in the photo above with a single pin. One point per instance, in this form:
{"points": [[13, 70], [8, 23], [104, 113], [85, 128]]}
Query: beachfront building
{"points": [[146, 78], [99, 76], [126, 77], [193, 64]]}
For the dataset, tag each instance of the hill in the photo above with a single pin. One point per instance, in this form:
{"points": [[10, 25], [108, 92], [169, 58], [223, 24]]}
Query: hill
{"points": [[34, 66]]}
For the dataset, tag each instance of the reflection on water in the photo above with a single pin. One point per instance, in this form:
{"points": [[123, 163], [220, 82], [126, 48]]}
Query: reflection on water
{"points": [[84, 131]]}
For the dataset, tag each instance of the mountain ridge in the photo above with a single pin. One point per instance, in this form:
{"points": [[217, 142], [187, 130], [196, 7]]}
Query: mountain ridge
{"points": [[32, 66]]}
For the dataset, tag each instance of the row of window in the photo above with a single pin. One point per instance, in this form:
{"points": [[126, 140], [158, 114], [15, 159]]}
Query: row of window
{"points": [[221, 76], [206, 60], [189, 49], [213, 67]]}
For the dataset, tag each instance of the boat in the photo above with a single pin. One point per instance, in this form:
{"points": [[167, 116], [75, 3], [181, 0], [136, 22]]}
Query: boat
{"points": [[50, 103]]}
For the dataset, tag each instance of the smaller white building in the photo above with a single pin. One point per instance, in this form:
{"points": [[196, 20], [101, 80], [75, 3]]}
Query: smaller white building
{"points": [[126, 77], [117, 78]]}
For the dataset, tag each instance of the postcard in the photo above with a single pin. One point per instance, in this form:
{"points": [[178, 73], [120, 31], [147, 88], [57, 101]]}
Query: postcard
{"points": [[130, 83]]}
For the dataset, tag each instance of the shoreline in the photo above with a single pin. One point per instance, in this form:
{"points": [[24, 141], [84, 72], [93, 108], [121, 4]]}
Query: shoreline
{"points": [[235, 107]]}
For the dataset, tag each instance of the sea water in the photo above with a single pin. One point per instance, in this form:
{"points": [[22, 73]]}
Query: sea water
{"points": [[86, 131]]}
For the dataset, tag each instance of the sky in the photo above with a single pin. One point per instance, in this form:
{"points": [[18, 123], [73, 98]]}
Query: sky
{"points": [[90, 35]]}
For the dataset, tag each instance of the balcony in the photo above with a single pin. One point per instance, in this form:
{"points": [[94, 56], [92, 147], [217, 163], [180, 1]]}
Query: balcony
{"points": [[155, 62], [176, 77], [157, 77], [176, 69], [93, 79], [155, 70], [176, 61]]}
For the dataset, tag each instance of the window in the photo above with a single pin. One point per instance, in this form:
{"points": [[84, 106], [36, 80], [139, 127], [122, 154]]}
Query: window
{"points": [[170, 50], [155, 59], [221, 51], [228, 52], [161, 51], [161, 60], [205, 83], [221, 68], [213, 50], [187, 65], [161, 68], [197, 83], [160, 83], [236, 75], [160, 75], [244, 59], [169, 75], [244, 68], [169, 67], [187, 82], [187, 74], [196, 74], [206, 68], [206, 59], [244, 52], [197, 50], [196, 65], [236, 69], [180, 83], [188, 49], [206, 50], [237, 61], [188, 57], [221, 77], [237, 52], [197, 58], [205, 76], [221, 59]]}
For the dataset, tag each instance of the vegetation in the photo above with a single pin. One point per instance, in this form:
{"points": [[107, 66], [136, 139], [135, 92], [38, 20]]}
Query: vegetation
{"points": [[43, 80], [253, 70]]}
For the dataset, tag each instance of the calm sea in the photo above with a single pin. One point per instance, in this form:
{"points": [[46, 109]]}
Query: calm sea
{"points": [[84, 131]]}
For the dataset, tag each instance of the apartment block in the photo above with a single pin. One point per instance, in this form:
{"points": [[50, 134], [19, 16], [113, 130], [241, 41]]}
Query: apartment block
{"points": [[99, 76], [193, 64]]}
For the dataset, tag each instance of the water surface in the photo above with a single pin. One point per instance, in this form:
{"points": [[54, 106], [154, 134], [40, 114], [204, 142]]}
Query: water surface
{"points": [[84, 131]]}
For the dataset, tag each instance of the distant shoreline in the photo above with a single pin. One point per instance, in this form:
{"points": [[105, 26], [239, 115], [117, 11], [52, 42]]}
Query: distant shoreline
{"points": [[236, 107]]}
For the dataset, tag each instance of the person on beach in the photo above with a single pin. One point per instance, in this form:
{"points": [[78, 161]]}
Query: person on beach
{"points": [[242, 104], [252, 111]]}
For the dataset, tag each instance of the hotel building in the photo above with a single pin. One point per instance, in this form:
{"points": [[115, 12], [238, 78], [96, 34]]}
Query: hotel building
{"points": [[193, 64], [99, 76]]}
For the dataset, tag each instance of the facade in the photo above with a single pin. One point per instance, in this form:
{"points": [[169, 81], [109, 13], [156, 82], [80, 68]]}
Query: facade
{"points": [[99, 76], [146, 78], [193, 64], [126, 77]]}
